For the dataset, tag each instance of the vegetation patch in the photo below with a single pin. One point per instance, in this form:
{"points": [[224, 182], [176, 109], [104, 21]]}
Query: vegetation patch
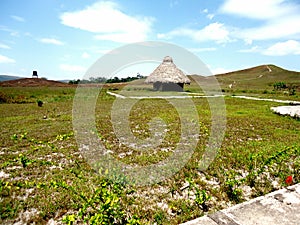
{"points": [[43, 175]]}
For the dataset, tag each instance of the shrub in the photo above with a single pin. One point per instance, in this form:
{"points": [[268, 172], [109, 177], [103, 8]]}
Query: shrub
{"points": [[292, 91], [279, 85], [40, 103], [5, 98]]}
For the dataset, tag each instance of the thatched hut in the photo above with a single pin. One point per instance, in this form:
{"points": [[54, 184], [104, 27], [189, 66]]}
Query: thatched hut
{"points": [[167, 77]]}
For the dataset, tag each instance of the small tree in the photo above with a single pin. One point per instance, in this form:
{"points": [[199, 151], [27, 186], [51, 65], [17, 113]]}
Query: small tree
{"points": [[74, 81], [279, 85]]}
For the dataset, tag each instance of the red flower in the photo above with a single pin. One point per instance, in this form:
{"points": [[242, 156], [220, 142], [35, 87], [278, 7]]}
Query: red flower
{"points": [[289, 180]]}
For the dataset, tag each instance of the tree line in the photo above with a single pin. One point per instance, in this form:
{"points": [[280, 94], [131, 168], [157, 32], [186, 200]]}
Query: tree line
{"points": [[105, 80]]}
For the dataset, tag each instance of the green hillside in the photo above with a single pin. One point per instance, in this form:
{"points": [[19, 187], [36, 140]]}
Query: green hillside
{"points": [[259, 78]]}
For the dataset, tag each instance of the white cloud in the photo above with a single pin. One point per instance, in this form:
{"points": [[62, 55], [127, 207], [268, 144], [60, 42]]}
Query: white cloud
{"points": [[210, 16], [163, 36], [10, 31], [85, 55], [284, 28], [28, 34], [202, 49], [258, 9], [122, 37], [103, 51], [72, 68], [5, 59], [248, 41], [290, 47], [51, 41], [15, 34], [109, 22], [213, 32], [4, 46], [250, 50], [280, 18], [18, 18]]}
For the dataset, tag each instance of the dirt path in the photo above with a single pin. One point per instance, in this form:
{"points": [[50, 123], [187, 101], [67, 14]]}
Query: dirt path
{"points": [[269, 69]]}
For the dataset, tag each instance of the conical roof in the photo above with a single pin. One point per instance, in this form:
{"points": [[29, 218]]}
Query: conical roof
{"points": [[167, 72]]}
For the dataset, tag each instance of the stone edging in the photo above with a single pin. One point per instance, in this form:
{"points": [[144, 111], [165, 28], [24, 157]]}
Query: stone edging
{"points": [[278, 207]]}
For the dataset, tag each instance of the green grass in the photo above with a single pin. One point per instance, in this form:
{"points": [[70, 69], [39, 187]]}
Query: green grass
{"points": [[44, 172], [33, 94]]}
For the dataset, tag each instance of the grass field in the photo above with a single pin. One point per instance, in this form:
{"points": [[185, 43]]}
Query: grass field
{"points": [[44, 176]]}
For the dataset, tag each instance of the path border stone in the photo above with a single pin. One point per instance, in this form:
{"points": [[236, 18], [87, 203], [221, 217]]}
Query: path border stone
{"points": [[277, 208]]}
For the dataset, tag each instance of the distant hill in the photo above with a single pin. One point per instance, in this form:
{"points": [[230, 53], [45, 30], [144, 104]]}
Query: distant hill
{"points": [[259, 77], [33, 82], [64, 81], [256, 78], [8, 77]]}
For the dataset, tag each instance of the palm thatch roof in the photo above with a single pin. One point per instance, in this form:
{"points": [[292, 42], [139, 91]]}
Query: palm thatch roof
{"points": [[167, 72]]}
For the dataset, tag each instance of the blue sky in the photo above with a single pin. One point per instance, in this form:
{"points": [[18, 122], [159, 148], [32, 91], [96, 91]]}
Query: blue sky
{"points": [[61, 39]]}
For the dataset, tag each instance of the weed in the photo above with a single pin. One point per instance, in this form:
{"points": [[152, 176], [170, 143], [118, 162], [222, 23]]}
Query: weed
{"points": [[62, 137], [14, 137], [8, 209], [201, 199], [201, 196], [102, 207], [25, 161], [19, 137], [69, 219], [160, 217]]}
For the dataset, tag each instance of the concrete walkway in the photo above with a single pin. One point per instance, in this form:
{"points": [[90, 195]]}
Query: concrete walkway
{"points": [[268, 99], [281, 207], [293, 111], [183, 95]]}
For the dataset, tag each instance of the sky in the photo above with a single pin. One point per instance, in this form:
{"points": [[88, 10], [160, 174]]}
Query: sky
{"points": [[61, 39]]}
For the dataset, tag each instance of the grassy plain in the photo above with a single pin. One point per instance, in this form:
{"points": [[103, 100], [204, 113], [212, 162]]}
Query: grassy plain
{"points": [[44, 176]]}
